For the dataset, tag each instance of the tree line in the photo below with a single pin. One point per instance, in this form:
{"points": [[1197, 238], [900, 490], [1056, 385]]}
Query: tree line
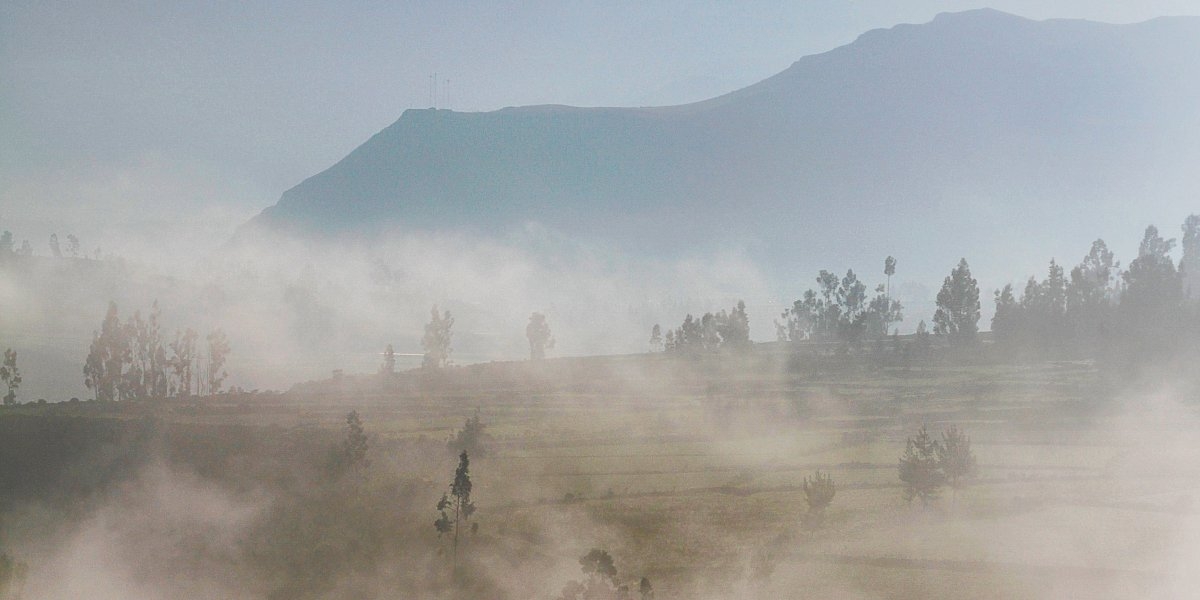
{"points": [[133, 360], [1147, 310], [71, 249]]}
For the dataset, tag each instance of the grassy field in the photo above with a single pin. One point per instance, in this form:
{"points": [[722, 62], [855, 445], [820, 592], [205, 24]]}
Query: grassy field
{"points": [[690, 473]]}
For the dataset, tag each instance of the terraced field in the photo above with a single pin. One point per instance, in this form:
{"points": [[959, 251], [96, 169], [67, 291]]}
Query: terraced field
{"points": [[1080, 491]]}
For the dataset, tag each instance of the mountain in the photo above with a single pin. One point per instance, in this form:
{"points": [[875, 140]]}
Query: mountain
{"points": [[977, 134]]}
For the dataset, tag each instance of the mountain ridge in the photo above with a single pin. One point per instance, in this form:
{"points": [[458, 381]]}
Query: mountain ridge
{"points": [[981, 109]]}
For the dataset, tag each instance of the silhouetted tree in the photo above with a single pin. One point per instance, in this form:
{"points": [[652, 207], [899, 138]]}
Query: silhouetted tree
{"points": [[6, 244], [55, 249], [734, 327], [11, 376], [955, 458], [924, 342], [389, 361], [183, 357], [538, 333], [1041, 318], [351, 457], [26, 249], [656, 339], [818, 493], [601, 580], [889, 269], [148, 375], [881, 313], [459, 500], [645, 590], [957, 315], [72, 245], [471, 438], [919, 468], [1006, 318], [1152, 300], [712, 332], [436, 340], [218, 351], [1092, 293], [107, 357]]}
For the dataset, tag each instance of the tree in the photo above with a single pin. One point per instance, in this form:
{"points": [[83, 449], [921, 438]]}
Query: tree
{"points": [[656, 339], [538, 332], [183, 356], [352, 453], [1006, 319], [1189, 265], [645, 590], [734, 327], [601, 580], [818, 493], [389, 361], [103, 369], [218, 351], [889, 269], [470, 438], [6, 244], [459, 500], [1153, 296], [55, 249], [919, 468], [436, 340], [881, 313], [924, 343], [26, 249], [72, 245], [955, 458], [11, 376], [148, 375], [1091, 293], [957, 315], [598, 562], [711, 332], [1041, 319]]}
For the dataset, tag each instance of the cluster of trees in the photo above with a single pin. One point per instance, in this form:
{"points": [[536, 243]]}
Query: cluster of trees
{"points": [[710, 333], [8, 248], [1144, 307], [840, 309], [130, 360], [601, 582], [928, 463]]}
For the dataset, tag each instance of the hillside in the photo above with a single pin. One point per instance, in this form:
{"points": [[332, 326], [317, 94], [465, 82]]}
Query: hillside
{"points": [[977, 123]]}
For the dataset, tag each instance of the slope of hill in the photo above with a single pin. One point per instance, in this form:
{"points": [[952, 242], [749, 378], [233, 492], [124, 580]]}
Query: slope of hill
{"points": [[978, 124]]}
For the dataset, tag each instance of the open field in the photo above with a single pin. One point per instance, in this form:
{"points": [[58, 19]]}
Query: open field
{"points": [[697, 484]]}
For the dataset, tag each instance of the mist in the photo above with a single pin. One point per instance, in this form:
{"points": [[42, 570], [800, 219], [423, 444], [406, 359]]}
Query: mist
{"points": [[837, 300]]}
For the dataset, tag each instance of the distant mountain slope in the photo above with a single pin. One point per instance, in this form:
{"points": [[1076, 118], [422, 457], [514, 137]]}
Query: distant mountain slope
{"points": [[990, 129]]}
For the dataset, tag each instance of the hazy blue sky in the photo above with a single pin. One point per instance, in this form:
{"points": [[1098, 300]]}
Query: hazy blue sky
{"points": [[126, 112]]}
